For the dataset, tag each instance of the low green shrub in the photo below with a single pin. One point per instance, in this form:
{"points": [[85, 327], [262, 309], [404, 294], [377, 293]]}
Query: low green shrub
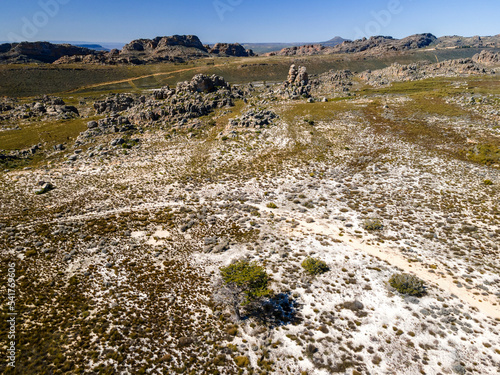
{"points": [[242, 361], [373, 224], [314, 266], [408, 284]]}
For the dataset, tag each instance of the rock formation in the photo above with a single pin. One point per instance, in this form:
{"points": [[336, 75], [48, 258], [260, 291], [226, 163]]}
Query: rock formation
{"points": [[298, 77], [25, 52], [296, 85], [179, 107], [176, 48], [373, 45], [229, 49], [487, 58], [400, 73]]}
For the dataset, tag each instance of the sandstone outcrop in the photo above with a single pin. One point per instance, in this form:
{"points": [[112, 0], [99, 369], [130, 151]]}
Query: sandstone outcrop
{"points": [[373, 45], [229, 49], [44, 52], [487, 58]]}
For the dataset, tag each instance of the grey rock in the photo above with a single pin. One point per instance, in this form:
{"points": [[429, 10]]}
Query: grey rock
{"points": [[44, 188], [220, 248]]}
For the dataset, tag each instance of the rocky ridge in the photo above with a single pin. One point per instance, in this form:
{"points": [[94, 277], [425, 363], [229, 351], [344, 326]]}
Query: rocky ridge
{"points": [[38, 52], [176, 48], [373, 46]]}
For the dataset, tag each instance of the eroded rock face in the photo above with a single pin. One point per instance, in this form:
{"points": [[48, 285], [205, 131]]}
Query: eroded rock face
{"points": [[230, 49], [158, 43], [296, 85], [488, 58], [202, 83], [421, 70], [177, 108], [117, 103], [176, 48], [46, 106], [298, 76], [373, 45], [27, 52]]}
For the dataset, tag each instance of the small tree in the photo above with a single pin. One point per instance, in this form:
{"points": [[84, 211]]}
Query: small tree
{"points": [[243, 283]]}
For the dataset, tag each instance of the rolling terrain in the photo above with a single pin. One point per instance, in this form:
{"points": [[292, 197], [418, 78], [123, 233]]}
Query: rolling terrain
{"points": [[126, 188]]}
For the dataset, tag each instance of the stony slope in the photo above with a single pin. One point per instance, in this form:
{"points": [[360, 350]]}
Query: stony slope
{"points": [[165, 187]]}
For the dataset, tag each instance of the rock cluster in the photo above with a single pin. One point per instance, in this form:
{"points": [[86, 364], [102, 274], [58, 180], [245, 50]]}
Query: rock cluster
{"points": [[176, 48], [171, 107], [297, 84], [456, 41], [229, 49], [254, 119], [373, 45], [421, 70], [334, 81], [112, 124], [117, 103], [168, 48], [202, 83], [305, 50], [42, 107], [26, 52], [487, 58]]}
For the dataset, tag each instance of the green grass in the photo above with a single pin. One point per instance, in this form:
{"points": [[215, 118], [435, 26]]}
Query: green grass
{"points": [[485, 154], [32, 79], [49, 132], [315, 111], [440, 87]]}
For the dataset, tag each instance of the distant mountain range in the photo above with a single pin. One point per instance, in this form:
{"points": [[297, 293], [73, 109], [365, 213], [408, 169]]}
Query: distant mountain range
{"points": [[180, 48], [378, 45], [262, 48], [334, 42], [176, 48]]}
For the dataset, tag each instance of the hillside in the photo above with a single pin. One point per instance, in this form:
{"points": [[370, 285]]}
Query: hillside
{"points": [[373, 46], [39, 52], [176, 48], [361, 207]]}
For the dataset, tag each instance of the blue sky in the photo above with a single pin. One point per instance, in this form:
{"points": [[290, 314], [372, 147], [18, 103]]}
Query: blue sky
{"points": [[242, 20]]}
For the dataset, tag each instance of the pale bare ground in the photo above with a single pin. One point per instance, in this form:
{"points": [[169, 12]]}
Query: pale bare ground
{"points": [[438, 277]]}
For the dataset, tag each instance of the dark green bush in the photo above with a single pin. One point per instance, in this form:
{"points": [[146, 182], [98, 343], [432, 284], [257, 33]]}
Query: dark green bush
{"points": [[314, 266], [408, 284]]}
